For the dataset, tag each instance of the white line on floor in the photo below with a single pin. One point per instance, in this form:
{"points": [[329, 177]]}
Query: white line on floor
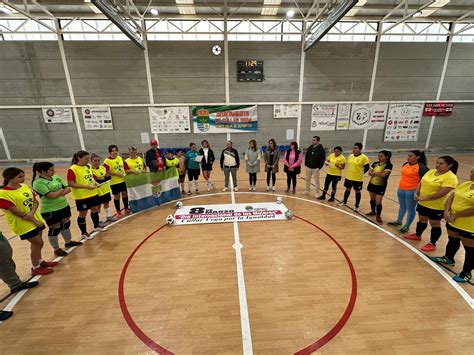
{"points": [[244, 312]]}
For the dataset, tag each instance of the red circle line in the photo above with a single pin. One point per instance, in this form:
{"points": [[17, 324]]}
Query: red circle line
{"points": [[308, 350]]}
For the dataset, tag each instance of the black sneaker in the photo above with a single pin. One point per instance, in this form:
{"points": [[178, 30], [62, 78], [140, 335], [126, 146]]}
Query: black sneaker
{"points": [[331, 199], [24, 286], [189, 192], [321, 198], [72, 243], [371, 213], [4, 315]]}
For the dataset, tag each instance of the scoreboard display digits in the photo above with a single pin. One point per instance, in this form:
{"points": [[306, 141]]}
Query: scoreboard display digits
{"points": [[250, 70]]}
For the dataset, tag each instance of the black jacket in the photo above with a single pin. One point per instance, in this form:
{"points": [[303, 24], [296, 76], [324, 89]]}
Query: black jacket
{"points": [[150, 160], [315, 157], [233, 153], [210, 156]]}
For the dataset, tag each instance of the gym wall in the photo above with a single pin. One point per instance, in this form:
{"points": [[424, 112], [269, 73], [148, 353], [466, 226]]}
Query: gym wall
{"points": [[31, 73]]}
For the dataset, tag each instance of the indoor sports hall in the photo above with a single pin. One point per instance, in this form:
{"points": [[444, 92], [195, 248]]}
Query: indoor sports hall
{"points": [[236, 177]]}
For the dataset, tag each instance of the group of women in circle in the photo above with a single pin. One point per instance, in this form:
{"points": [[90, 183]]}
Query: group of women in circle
{"points": [[434, 194]]}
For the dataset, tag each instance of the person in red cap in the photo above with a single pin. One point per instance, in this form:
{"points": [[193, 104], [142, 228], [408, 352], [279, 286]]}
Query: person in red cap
{"points": [[154, 159]]}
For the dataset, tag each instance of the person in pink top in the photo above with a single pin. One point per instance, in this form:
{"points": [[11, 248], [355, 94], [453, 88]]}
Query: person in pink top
{"points": [[292, 160]]}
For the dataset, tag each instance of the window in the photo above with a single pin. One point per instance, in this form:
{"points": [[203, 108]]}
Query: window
{"points": [[415, 32], [349, 31], [27, 30], [464, 33]]}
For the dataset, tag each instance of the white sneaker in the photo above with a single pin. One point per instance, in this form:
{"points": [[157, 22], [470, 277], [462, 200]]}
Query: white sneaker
{"points": [[224, 189], [273, 188], [254, 188], [99, 229], [306, 193], [250, 188], [208, 189], [236, 189], [356, 209], [342, 203], [268, 188], [87, 236]]}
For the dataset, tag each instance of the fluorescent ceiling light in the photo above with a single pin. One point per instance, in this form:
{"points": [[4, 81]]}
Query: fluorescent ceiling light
{"points": [[356, 8], [184, 1], [439, 3], [290, 13], [271, 2], [87, 0], [154, 12], [269, 11], [417, 14], [6, 10], [186, 10]]}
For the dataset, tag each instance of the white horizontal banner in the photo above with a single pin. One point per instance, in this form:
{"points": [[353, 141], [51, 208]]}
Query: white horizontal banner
{"points": [[200, 214]]}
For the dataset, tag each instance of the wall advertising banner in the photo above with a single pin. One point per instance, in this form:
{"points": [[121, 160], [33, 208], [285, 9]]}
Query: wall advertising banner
{"points": [[241, 212], [225, 119], [286, 111], [57, 115], [368, 116], [323, 117], [97, 118], [343, 116], [438, 109], [403, 122], [169, 119]]}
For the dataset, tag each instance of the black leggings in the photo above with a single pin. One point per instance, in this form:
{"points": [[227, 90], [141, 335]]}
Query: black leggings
{"points": [[253, 179], [291, 177], [331, 179], [273, 175]]}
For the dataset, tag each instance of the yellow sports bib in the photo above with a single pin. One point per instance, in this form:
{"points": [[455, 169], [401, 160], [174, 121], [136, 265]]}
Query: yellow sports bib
{"points": [[355, 170], [116, 166], [136, 164], [84, 176], [333, 160], [432, 183], [100, 173], [463, 200], [22, 198]]}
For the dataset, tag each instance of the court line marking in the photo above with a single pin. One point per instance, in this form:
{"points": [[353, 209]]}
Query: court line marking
{"points": [[454, 284], [469, 300], [244, 312]]}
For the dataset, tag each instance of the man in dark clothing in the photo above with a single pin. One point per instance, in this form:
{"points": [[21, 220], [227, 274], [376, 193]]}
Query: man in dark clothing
{"points": [[154, 159], [230, 163], [9, 275], [314, 161]]}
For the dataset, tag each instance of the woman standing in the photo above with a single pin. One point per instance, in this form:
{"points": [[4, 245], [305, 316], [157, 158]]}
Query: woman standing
{"points": [[252, 156], [134, 164], [21, 211], [271, 157], [54, 206], [412, 172], [335, 163], [193, 168], [84, 191], [103, 188], [431, 194], [181, 170], [115, 168], [358, 166], [292, 160], [208, 159], [459, 215], [379, 172]]}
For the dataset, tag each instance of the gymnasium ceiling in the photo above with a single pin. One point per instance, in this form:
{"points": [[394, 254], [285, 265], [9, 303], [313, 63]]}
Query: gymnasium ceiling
{"points": [[431, 10]]}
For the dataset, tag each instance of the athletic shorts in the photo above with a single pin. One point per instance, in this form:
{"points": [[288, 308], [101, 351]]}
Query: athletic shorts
{"points": [[356, 185], [55, 217], [207, 167], [181, 178], [462, 233], [105, 198], [193, 174], [118, 188], [435, 215], [87, 203], [32, 234], [377, 189]]}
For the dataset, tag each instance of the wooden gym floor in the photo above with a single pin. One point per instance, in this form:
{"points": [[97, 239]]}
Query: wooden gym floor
{"points": [[179, 290]]}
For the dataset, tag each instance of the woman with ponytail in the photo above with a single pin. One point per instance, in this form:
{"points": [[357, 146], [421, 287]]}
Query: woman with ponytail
{"points": [[379, 172], [23, 217], [412, 172], [432, 193], [103, 190], [84, 191], [55, 209]]}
